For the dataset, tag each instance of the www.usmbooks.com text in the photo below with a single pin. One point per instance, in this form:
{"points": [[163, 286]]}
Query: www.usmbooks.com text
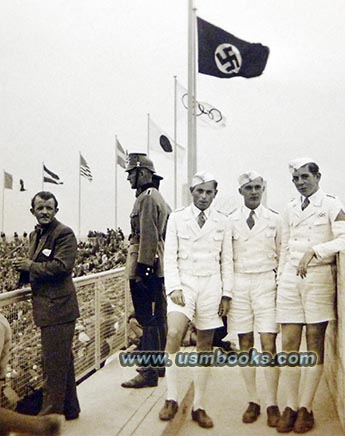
{"points": [[218, 358]]}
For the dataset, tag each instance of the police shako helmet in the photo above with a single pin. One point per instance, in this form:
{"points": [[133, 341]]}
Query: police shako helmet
{"points": [[139, 160]]}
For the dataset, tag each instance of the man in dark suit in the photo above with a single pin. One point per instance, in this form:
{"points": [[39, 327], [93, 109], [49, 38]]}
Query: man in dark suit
{"points": [[48, 268], [145, 263]]}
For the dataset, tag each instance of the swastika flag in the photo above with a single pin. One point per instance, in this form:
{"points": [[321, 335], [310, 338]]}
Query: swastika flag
{"points": [[223, 55]]}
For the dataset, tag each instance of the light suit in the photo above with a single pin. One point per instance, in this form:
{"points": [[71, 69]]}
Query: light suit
{"points": [[255, 253], [198, 259], [320, 226]]}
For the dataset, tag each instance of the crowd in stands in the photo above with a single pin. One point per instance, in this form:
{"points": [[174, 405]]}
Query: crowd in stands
{"points": [[99, 252]]}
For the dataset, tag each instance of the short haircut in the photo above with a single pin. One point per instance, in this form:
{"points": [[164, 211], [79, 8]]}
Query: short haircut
{"points": [[45, 195], [313, 168]]}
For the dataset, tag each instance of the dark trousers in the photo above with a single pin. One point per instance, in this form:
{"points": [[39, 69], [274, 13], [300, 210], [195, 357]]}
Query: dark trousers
{"points": [[59, 387], [150, 307]]}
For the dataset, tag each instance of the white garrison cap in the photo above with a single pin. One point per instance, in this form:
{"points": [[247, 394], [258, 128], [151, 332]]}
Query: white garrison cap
{"points": [[202, 177], [248, 177], [300, 162]]}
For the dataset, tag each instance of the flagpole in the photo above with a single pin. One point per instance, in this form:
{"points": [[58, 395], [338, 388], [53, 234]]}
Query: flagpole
{"points": [[115, 182], [192, 152], [175, 142], [148, 134], [79, 201], [3, 204], [42, 176]]}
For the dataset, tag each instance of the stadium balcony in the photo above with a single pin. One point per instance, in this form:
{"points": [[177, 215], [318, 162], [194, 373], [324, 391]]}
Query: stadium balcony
{"points": [[109, 410]]}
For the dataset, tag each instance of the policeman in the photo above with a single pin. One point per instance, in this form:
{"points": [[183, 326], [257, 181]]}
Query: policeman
{"points": [[145, 262], [256, 247], [198, 272], [313, 232]]}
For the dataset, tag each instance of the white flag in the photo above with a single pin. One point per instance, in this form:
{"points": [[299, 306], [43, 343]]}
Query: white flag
{"points": [[207, 114], [160, 141]]}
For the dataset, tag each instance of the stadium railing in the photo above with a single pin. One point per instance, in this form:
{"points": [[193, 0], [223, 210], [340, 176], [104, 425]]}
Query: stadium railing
{"points": [[101, 329], [335, 345]]}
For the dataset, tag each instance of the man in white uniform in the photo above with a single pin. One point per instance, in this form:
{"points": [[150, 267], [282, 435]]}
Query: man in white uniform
{"points": [[256, 246], [198, 279], [313, 232]]}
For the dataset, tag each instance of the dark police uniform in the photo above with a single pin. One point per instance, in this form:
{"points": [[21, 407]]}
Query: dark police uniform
{"points": [[145, 268]]}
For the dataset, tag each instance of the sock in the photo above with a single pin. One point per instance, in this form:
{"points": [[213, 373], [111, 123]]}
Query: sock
{"points": [[171, 378], [272, 378], [200, 378], [291, 378], [249, 376], [312, 379]]}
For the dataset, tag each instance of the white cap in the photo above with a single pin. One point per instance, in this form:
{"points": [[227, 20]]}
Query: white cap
{"points": [[202, 177], [300, 162], [248, 177]]}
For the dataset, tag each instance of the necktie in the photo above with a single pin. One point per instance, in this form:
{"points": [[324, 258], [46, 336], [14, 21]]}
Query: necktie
{"points": [[305, 203], [201, 219], [250, 219]]}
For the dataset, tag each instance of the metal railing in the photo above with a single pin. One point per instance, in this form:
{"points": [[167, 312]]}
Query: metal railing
{"points": [[335, 346], [100, 331]]}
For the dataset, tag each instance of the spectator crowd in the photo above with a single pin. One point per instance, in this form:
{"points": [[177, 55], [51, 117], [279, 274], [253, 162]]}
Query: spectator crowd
{"points": [[98, 252]]}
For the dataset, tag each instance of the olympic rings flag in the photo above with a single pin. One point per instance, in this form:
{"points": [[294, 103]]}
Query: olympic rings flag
{"points": [[206, 113]]}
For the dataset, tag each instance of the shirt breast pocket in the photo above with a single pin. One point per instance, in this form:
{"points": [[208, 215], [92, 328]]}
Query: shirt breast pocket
{"points": [[321, 221]]}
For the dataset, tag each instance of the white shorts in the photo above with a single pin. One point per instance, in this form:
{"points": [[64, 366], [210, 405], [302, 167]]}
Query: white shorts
{"points": [[253, 303], [306, 301], [202, 296]]}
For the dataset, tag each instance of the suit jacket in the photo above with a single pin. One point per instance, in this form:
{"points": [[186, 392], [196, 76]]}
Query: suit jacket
{"points": [[257, 249], [320, 226], [148, 226], [53, 293], [198, 251]]}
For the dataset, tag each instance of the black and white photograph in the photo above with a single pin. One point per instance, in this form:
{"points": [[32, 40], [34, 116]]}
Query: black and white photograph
{"points": [[172, 217]]}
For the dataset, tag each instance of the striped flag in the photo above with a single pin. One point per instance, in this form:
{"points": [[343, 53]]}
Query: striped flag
{"points": [[8, 180], [85, 169], [121, 154], [51, 177]]}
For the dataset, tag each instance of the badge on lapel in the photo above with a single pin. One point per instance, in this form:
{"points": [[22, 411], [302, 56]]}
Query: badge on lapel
{"points": [[46, 252]]}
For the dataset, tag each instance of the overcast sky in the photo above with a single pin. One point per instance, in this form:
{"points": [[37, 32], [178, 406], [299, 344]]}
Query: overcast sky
{"points": [[75, 73]]}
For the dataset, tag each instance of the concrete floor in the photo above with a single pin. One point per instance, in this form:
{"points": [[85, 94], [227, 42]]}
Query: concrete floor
{"points": [[109, 410]]}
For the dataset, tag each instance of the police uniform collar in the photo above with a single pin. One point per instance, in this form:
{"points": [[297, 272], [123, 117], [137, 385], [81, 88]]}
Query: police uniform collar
{"points": [[146, 186], [196, 211]]}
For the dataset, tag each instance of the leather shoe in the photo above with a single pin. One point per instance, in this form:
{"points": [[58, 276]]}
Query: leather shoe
{"points": [[161, 371], [168, 411], [139, 382], [71, 416], [201, 417], [252, 413], [304, 421], [273, 416], [287, 420]]}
